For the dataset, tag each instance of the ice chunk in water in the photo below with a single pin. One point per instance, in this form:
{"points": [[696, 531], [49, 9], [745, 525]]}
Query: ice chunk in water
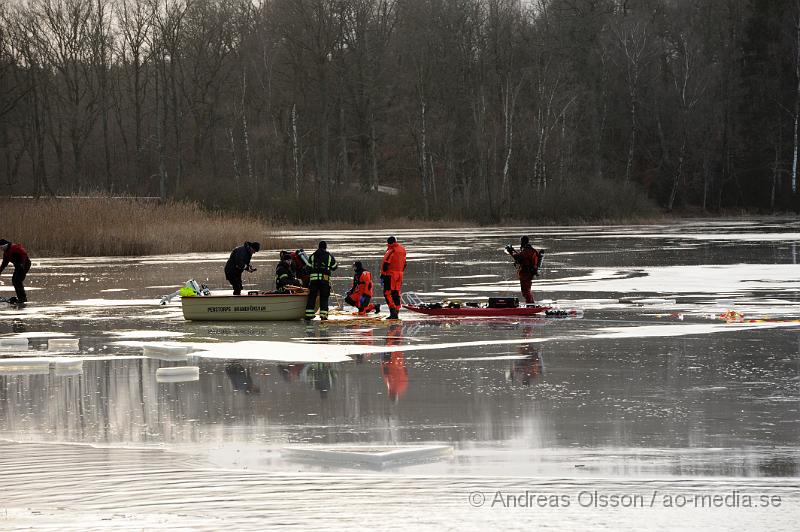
{"points": [[178, 374], [67, 367], [63, 344], [24, 366], [370, 456], [167, 352], [13, 344]]}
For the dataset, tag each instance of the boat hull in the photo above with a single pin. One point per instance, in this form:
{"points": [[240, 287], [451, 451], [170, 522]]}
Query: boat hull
{"points": [[478, 312], [263, 307]]}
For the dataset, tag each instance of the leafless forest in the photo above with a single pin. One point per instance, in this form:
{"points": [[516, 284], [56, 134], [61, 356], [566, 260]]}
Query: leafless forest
{"points": [[315, 110]]}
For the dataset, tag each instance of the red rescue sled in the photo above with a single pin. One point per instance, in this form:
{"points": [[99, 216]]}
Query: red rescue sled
{"points": [[477, 312]]}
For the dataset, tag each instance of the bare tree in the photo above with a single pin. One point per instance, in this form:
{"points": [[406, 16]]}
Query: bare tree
{"points": [[796, 139], [134, 52], [632, 40], [689, 86]]}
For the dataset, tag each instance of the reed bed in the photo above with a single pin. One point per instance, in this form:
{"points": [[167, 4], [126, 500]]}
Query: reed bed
{"points": [[103, 226]]}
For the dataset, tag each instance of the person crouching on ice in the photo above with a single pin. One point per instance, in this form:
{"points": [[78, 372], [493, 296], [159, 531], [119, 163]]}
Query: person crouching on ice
{"points": [[392, 268], [360, 294], [239, 262], [527, 261], [16, 255], [320, 266]]}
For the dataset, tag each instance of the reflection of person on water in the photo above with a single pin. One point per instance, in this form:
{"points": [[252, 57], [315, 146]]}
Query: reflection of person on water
{"points": [[525, 370], [362, 337], [291, 372], [238, 263], [393, 366], [526, 261], [240, 378], [321, 376], [529, 367]]}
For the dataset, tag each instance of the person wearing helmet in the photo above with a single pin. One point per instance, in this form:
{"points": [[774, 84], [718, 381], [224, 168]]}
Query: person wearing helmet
{"points": [[526, 261], [239, 262], [16, 255], [320, 266], [392, 268], [360, 294]]}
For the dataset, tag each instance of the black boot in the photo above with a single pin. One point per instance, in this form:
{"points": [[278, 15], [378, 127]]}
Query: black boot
{"points": [[377, 308], [393, 314]]}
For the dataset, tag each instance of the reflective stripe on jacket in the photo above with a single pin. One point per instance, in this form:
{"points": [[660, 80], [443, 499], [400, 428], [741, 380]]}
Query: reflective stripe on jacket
{"points": [[321, 264]]}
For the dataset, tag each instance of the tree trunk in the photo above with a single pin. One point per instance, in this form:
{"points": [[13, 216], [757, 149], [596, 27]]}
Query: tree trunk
{"points": [[246, 136], [678, 174], [177, 120], [345, 159], [237, 174], [295, 153], [795, 146], [373, 150], [775, 170], [161, 129], [423, 157]]}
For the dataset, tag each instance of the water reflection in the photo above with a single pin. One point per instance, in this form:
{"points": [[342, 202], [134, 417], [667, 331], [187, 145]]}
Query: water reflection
{"points": [[529, 367], [241, 379], [291, 372], [627, 396], [320, 376], [393, 365]]}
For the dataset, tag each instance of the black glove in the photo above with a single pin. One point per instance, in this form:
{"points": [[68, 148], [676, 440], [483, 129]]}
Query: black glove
{"points": [[510, 249]]}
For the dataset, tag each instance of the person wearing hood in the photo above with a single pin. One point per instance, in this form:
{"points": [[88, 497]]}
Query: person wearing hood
{"points": [[320, 266], [360, 294], [18, 257], [284, 273], [392, 268], [238, 263]]}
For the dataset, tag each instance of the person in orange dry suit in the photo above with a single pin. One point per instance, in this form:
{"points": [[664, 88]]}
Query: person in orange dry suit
{"points": [[392, 269], [360, 294]]}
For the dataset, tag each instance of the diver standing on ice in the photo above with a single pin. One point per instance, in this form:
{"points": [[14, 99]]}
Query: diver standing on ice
{"points": [[527, 261], [393, 267], [239, 262]]}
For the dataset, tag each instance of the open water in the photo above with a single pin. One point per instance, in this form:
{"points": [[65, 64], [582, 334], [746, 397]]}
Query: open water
{"points": [[650, 411]]}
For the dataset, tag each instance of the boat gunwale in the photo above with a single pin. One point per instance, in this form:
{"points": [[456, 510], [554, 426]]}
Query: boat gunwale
{"points": [[254, 296]]}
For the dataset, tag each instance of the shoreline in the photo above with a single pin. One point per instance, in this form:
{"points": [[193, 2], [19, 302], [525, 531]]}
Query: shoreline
{"points": [[120, 227]]}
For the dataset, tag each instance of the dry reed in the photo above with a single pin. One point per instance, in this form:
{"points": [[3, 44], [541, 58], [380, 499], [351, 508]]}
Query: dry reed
{"points": [[102, 226]]}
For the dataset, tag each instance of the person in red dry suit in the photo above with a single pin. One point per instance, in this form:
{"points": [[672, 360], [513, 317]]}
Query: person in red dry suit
{"points": [[18, 256], [392, 269], [360, 294], [527, 261]]}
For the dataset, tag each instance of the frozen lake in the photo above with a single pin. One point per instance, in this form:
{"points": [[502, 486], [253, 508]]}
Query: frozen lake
{"points": [[650, 395]]}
